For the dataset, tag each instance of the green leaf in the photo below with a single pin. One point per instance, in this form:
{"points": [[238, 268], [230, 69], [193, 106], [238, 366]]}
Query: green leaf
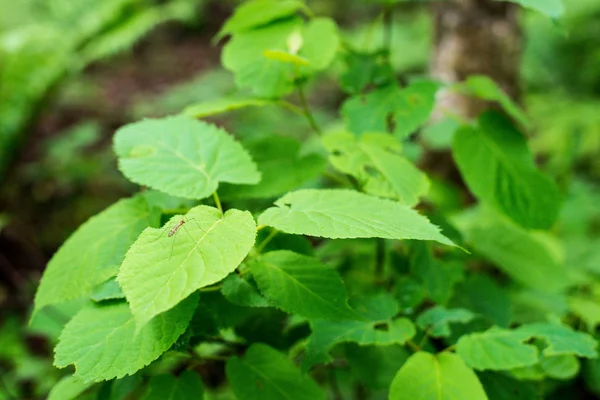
{"points": [[497, 349], [364, 69], [374, 161], [523, 255], [550, 8], [187, 386], [265, 374], [182, 156], [160, 270], [102, 343], [375, 366], [283, 167], [222, 105], [239, 291], [482, 295], [439, 277], [268, 60], [68, 388], [109, 290], [587, 310], [436, 320], [562, 340], [325, 334], [494, 161], [256, 13], [407, 108], [501, 387], [301, 285], [485, 88], [436, 377], [336, 213], [72, 273], [560, 367]]}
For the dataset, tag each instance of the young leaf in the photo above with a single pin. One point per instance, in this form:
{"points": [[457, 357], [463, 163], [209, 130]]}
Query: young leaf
{"points": [[408, 108], [302, 285], [436, 321], [517, 252], [497, 349], [265, 374], [72, 273], [379, 169], [239, 291], [68, 388], [223, 105], [256, 13], [182, 156], [282, 165], [187, 386], [336, 213], [102, 343], [494, 161], [436, 377], [161, 270], [562, 340]]}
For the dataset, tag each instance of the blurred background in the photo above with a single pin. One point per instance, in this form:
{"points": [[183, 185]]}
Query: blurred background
{"points": [[73, 71]]}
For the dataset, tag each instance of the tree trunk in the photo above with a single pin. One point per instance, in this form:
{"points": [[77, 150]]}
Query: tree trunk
{"points": [[475, 37]]}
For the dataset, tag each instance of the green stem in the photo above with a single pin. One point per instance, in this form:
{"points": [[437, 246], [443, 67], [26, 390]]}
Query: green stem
{"points": [[307, 113], [291, 107], [264, 243], [217, 201]]}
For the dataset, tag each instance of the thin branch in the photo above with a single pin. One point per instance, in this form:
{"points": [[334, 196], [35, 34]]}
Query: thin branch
{"points": [[307, 113], [217, 201]]}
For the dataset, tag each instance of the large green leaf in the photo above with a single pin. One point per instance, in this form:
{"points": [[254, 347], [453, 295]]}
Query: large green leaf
{"points": [[187, 386], [162, 269], [494, 161], [497, 349], [68, 388], [256, 13], [302, 285], [102, 342], [562, 340], [335, 213], [282, 165], [269, 60], [436, 377], [374, 160], [407, 108], [436, 320], [551, 8], [523, 255], [182, 156], [94, 252], [265, 374]]}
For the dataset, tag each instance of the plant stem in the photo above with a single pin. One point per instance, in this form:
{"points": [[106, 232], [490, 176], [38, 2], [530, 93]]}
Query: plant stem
{"points": [[307, 113], [291, 107], [261, 247], [217, 201]]}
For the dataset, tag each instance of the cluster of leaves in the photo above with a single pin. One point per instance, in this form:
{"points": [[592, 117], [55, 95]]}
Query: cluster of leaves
{"points": [[340, 273]]}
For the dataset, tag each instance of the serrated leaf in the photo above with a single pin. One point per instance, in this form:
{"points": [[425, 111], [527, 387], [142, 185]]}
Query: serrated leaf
{"points": [[408, 108], [562, 340], [302, 285], [109, 290], [485, 88], [282, 165], [187, 386], [265, 374], [161, 270], [182, 156], [497, 349], [239, 291], [102, 343], [436, 377], [222, 105], [378, 167], [338, 213], [436, 320], [550, 8], [68, 388], [256, 13], [262, 59], [494, 161], [521, 254], [72, 273]]}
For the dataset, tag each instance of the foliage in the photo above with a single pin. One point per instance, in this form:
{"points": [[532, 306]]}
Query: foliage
{"points": [[283, 261]]}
